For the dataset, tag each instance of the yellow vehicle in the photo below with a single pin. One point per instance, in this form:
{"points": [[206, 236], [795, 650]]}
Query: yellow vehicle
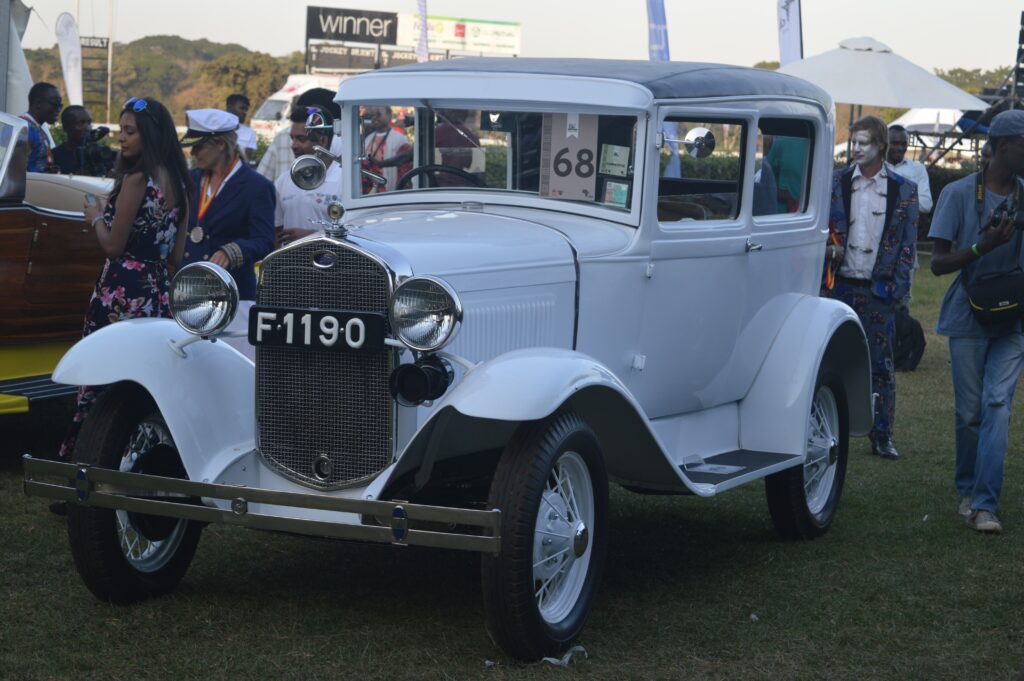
{"points": [[49, 259]]}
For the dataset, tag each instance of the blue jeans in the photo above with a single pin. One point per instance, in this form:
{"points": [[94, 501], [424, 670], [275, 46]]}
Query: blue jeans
{"points": [[985, 374]]}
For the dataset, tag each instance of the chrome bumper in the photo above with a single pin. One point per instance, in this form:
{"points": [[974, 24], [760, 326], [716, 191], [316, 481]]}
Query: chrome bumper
{"points": [[155, 495]]}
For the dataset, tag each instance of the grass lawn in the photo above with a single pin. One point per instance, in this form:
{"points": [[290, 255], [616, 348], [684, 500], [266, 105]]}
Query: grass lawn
{"points": [[694, 588]]}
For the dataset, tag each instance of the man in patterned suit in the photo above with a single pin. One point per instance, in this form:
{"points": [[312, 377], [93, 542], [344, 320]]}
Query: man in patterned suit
{"points": [[869, 258]]}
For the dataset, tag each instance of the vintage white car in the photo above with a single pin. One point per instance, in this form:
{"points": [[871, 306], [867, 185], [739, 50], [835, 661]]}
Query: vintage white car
{"points": [[595, 271]]}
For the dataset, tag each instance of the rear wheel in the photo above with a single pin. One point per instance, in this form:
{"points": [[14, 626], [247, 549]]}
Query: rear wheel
{"points": [[552, 490], [803, 500], [121, 556]]}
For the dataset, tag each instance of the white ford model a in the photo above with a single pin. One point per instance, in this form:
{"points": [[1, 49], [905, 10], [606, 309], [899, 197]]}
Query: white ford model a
{"points": [[594, 272]]}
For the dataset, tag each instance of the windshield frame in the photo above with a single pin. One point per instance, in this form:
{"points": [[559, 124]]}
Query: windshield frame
{"points": [[353, 149]]}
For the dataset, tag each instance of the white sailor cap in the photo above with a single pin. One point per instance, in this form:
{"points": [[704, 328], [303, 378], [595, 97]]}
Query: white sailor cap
{"points": [[203, 123]]}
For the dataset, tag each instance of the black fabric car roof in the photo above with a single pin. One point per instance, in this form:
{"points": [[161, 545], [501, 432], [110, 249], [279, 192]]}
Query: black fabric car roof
{"points": [[665, 80]]}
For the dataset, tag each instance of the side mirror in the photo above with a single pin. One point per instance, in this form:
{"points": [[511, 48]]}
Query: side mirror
{"points": [[699, 142]]}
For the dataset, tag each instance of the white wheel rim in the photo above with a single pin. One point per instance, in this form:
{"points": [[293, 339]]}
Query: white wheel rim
{"points": [[566, 512], [822, 451], [141, 553]]}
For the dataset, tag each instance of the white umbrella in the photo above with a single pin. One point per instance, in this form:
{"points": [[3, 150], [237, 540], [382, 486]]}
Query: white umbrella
{"points": [[865, 71]]}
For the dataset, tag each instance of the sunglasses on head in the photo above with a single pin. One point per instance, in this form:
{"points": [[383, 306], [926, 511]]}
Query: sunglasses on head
{"points": [[136, 104]]}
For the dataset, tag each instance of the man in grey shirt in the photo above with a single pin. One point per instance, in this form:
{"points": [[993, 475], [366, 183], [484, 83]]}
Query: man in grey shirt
{"points": [[971, 239]]}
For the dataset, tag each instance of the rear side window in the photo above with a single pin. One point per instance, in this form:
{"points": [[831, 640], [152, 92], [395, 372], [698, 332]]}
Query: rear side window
{"points": [[701, 170], [782, 178]]}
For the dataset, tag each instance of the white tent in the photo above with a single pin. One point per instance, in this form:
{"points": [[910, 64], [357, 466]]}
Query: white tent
{"points": [[865, 71], [927, 120]]}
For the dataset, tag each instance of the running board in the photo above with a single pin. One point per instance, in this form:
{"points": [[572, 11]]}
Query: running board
{"points": [[731, 469], [36, 388]]}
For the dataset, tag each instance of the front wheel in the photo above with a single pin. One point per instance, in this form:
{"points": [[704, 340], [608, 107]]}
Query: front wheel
{"points": [[121, 556], [552, 490], [803, 500]]}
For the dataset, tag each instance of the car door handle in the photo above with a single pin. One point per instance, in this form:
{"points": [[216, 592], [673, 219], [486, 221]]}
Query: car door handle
{"points": [[751, 246]]}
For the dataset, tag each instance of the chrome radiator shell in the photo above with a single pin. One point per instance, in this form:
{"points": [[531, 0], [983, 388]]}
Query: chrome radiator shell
{"points": [[316, 404]]}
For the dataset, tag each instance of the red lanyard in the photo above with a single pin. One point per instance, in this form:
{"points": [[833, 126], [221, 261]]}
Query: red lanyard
{"points": [[206, 196]]}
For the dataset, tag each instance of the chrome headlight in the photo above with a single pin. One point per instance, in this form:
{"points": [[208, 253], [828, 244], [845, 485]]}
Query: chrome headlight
{"points": [[425, 313], [204, 298]]}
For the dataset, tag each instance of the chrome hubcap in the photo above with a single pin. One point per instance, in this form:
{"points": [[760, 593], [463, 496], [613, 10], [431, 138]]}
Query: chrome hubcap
{"points": [[822, 450], [561, 545]]}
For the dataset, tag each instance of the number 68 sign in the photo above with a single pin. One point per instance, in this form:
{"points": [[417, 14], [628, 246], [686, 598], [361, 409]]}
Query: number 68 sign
{"points": [[568, 157]]}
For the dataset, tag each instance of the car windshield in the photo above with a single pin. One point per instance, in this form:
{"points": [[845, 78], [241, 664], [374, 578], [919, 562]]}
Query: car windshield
{"points": [[564, 156], [271, 110]]}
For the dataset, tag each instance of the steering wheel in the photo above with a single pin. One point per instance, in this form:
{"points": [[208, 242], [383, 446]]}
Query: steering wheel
{"points": [[437, 168]]}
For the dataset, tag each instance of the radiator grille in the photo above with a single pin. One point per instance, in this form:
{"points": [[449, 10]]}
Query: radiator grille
{"points": [[311, 404]]}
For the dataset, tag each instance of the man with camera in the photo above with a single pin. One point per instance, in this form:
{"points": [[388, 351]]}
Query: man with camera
{"points": [[81, 153], [976, 233]]}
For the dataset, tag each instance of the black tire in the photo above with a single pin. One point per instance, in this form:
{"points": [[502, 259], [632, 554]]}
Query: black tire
{"points": [[795, 515], [124, 415], [525, 628]]}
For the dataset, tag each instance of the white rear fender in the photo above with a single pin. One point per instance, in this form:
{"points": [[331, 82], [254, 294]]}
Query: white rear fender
{"points": [[773, 415], [206, 397]]}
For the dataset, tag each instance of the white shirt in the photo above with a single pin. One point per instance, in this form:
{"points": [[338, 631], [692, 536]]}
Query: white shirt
{"points": [[867, 220], [296, 207], [246, 138], [918, 174], [279, 156]]}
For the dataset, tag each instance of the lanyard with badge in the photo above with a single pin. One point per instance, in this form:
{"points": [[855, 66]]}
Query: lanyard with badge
{"points": [[206, 196]]}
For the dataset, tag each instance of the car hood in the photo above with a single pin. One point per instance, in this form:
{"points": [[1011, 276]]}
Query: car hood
{"points": [[469, 249]]}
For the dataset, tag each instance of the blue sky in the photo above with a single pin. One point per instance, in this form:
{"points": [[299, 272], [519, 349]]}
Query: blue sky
{"points": [[931, 33]]}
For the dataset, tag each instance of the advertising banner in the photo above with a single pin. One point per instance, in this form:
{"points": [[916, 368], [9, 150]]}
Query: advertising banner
{"points": [[329, 56], [354, 25], [462, 35]]}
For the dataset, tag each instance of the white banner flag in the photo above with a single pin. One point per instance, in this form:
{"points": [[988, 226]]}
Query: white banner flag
{"points": [[422, 42], [70, 57], [791, 40]]}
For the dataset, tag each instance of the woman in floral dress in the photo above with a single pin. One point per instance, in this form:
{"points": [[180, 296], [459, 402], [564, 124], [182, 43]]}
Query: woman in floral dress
{"points": [[138, 230]]}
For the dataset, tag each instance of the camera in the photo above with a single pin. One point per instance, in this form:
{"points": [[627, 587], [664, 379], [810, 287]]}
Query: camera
{"points": [[1010, 210], [97, 159]]}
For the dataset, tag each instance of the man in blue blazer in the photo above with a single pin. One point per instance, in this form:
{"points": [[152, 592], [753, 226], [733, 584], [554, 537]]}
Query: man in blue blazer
{"points": [[869, 258], [231, 218]]}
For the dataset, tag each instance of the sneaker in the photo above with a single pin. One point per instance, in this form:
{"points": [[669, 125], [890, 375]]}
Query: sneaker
{"points": [[984, 521], [965, 506]]}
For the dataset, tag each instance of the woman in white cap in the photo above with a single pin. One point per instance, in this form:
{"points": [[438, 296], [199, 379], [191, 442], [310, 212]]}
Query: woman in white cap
{"points": [[231, 218], [138, 229]]}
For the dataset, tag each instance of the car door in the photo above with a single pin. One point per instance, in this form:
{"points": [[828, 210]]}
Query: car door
{"points": [[695, 303]]}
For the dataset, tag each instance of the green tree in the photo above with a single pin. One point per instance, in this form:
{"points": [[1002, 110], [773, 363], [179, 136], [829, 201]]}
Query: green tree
{"points": [[973, 80], [256, 75]]}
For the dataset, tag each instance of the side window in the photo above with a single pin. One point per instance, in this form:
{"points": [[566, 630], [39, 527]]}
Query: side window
{"points": [[783, 166], [701, 170]]}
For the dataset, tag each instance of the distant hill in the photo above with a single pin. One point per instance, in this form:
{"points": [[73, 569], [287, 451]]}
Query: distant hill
{"points": [[183, 74]]}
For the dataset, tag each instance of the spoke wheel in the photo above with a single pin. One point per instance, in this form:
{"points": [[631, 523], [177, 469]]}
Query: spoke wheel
{"points": [[803, 500], [552, 490], [121, 556]]}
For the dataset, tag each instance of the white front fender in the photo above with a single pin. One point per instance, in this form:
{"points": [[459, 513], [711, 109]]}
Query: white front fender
{"points": [[525, 385], [206, 397], [484, 408]]}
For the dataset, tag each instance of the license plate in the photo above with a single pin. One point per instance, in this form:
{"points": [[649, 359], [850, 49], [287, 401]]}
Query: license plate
{"points": [[329, 330]]}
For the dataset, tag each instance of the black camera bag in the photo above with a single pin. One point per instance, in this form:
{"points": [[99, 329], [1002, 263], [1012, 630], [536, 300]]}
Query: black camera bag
{"points": [[997, 297]]}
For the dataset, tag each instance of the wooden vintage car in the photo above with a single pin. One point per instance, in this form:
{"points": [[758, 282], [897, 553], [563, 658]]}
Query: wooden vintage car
{"points": [[49, 260]]}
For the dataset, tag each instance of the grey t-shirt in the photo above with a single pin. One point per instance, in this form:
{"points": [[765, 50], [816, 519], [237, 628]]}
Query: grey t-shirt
{"points": [[956, 220]]}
